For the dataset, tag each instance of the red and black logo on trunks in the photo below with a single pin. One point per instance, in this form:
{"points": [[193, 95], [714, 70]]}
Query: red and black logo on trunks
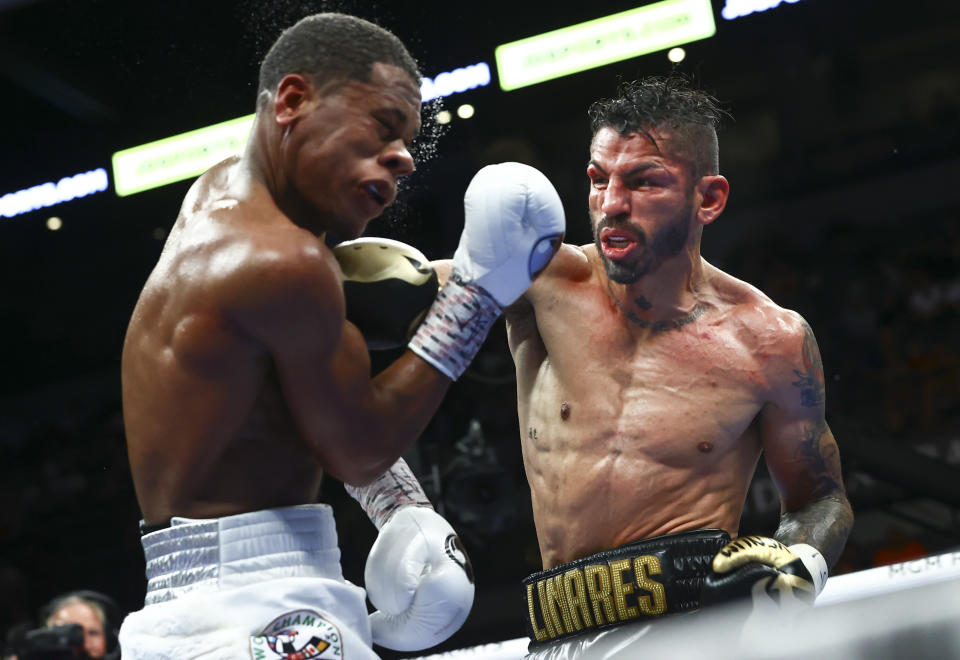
{"points": [[297, 635]]}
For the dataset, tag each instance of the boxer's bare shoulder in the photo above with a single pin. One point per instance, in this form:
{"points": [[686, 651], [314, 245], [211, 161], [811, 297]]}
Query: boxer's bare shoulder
{"points": [[779, 337]]}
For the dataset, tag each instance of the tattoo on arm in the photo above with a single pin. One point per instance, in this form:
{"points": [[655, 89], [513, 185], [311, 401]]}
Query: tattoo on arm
{"points": [[825, 524], [821, 460], [810, 378], [393, 490]]}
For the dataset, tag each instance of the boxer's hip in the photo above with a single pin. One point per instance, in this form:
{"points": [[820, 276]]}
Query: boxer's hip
{"points": [[639, 581], [208, 555]]}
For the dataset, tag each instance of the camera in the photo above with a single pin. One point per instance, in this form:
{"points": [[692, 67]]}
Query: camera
{"points": [[54, 643]]}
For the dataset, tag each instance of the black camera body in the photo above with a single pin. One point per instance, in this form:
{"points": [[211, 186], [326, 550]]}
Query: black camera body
{"points": [[54, 643]]}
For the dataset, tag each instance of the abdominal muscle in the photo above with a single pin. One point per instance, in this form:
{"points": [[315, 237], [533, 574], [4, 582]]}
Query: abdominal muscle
{"points": [[627, 467]]}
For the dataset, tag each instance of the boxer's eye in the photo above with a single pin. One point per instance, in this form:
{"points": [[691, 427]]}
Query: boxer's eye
{"points": [[386, 129]]}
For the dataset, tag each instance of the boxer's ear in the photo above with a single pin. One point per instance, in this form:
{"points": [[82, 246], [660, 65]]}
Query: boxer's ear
{"points": [[711, 195], [294, 92]]}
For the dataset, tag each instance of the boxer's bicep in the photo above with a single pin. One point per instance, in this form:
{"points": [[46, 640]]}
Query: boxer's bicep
{"points": [[295, 308], [798, 444], [801, 452]]}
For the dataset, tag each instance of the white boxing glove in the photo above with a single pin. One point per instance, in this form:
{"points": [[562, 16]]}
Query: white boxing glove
{"points": [[513, 225], [419, 578]]}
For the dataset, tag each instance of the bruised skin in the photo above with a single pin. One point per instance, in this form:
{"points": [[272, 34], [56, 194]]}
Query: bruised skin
{"points": [[662, 429]]}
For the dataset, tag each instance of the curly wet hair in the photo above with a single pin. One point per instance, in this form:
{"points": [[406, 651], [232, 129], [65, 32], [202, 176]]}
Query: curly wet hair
{"points": [[666, 103]]}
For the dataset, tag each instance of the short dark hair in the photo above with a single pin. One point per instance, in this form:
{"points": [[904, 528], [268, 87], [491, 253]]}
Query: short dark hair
{"points": [[333, 48], [665, 102]]}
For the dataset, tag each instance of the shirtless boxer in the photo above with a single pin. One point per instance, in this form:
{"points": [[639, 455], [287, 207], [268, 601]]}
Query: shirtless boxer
{"points": [[649, 383], [243, 382]]}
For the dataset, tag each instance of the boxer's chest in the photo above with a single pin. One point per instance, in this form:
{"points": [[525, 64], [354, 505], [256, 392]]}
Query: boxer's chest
{"points": [[687, 392]]}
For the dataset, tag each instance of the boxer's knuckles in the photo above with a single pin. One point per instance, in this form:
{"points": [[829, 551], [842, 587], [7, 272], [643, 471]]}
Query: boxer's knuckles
{"points": [[419, 579], [513, 225], [757, 567], [388, 287]]}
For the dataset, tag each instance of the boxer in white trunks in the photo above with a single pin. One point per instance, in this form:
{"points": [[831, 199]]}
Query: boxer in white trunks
{"points": [[649, 383], [244, 379]]}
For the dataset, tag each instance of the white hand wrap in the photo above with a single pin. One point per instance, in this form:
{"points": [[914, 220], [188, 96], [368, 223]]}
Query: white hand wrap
{"points": [[420, 580], [814, 562], [513, 225]]}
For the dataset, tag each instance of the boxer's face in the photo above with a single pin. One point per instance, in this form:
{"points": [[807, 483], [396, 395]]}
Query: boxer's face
{"points": [[350, 146], [641, 202]]}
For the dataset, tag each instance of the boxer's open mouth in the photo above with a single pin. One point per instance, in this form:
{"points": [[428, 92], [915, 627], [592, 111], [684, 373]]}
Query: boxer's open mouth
{"points": [[378, 198], [617, 243]]}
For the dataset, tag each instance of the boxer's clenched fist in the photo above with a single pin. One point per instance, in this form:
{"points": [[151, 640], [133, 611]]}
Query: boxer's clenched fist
{"points": [[388, 286], [419, 578], [513, 225], [765, 569]]}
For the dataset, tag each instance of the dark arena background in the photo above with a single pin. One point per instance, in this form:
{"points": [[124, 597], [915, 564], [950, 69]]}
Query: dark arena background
{"points": [[843, 154]]}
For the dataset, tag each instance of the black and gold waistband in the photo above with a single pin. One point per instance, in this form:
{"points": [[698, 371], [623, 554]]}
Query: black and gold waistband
{"points": [[641, 580]]}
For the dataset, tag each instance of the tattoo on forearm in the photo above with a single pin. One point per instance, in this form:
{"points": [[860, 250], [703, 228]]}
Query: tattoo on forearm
{"points": [[532, 433], [810, 378], [825, 524], [391, 491], [657, 326]]}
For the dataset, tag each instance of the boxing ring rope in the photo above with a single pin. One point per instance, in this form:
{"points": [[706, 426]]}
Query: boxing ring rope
{"points": [[909, 609]]}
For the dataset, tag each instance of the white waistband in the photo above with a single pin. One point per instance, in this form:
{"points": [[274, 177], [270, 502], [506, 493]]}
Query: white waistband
{"points": [[222, 553]]}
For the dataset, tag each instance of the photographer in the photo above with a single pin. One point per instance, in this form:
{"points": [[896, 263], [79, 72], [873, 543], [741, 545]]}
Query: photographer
{"points": [[76, 625]]}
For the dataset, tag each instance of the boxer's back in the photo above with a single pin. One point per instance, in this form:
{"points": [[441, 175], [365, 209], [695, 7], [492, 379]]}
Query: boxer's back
{"points": [[208, 433], [627, 432]]}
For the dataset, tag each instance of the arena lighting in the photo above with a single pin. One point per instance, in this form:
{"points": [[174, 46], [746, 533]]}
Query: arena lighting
{"points": [[603, 41], [49, 194], [179, 157], [54, 223], [444, 117], [465, 111], [452, 82], [737, 8], [676, 55]]}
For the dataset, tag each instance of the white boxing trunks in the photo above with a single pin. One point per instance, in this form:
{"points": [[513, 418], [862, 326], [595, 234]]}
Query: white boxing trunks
{"points": [[260, 585]]}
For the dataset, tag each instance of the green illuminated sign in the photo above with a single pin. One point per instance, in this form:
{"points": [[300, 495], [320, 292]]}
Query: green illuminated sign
{"points": [[179, 157], [603, 41]]}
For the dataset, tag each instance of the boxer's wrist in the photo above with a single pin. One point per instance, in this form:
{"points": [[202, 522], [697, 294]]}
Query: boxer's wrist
{"points": [[455, 326], [814, 561], [395, 489]]}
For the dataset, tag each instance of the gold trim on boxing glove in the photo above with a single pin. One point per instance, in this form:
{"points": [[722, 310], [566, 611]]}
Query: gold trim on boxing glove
{"points": [[748, 549]]}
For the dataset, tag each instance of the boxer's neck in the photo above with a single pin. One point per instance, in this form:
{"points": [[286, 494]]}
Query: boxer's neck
{"points": [[672, 294]]}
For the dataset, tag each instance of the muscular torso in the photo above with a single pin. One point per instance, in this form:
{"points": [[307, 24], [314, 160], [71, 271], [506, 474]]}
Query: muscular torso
{"points": [[628, 432], [207, 428]]}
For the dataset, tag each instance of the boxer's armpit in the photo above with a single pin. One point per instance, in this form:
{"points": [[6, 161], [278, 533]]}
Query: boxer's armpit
{"points": [[824, 524], [391, 491]]}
